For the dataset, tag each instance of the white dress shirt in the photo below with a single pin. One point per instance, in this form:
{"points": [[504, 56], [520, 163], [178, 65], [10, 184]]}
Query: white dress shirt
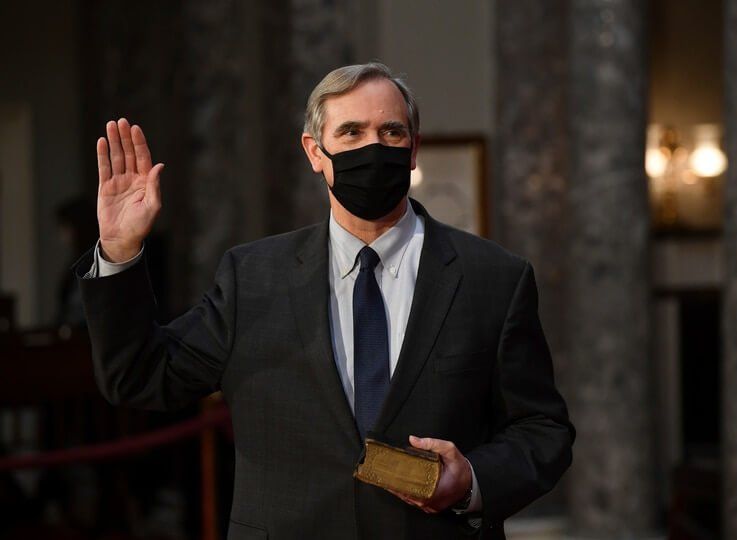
{"points": [[399, 251]]}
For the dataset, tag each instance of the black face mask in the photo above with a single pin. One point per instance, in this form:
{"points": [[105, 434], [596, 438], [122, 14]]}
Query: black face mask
{"points": [[372, 180]]}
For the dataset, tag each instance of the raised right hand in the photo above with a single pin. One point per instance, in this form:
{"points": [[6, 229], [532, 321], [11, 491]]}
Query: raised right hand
{"points": [[128, 197]]}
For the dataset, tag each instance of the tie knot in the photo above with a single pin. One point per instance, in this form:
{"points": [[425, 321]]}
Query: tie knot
{"points": [[369, 258]]}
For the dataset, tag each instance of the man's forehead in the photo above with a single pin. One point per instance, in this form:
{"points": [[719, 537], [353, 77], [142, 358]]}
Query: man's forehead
{"points": [[374, 99]]}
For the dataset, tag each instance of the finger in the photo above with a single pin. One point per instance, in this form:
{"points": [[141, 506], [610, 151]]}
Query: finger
{"points": [[444, 448], [103, 160], [417, 502], [404, 497], [153, 189], [397, 494], [124, 128], [422, 504], [117, 158], [143, 156]]}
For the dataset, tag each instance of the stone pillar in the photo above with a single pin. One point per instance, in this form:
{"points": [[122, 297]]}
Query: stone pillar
{"points": [[729, 303], [225, 153], [220, 89], [137, 70], [306, 40], [531, 157], [613, 474]]}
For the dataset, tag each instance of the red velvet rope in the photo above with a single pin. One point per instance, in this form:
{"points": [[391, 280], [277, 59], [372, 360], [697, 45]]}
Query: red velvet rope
{"points": [[218, 417]]}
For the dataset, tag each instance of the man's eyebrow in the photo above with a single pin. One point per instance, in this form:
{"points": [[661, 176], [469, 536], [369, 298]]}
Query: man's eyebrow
{"points": [[349, 125], [393, 124]]}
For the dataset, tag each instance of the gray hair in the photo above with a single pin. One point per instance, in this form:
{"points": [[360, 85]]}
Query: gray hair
{"points": [[345, 79]]}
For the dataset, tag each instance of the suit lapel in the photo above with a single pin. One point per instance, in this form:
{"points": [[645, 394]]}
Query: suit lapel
{"points": [[310, 297], [437, 281]]}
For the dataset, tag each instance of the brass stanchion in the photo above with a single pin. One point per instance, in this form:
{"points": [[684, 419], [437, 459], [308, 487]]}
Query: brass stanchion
{"points": [[208, 467]]}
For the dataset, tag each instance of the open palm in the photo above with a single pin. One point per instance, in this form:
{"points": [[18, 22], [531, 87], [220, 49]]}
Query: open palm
{"points": [[128, 198]]}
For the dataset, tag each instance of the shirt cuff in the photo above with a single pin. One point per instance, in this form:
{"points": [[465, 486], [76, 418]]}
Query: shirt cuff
{"points": [[103, 268], [476, 503]]}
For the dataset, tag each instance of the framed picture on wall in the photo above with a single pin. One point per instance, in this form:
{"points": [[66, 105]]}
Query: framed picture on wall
{"points": [[450, 181]]}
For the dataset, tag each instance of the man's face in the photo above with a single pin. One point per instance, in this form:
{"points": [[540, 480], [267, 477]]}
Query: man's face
{"points": [[373, 112]]}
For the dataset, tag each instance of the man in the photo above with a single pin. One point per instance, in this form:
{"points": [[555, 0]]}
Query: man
{"points": [[378, 319]]}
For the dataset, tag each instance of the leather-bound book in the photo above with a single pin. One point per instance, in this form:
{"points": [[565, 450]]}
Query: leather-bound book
{"points": [[410, 471]]}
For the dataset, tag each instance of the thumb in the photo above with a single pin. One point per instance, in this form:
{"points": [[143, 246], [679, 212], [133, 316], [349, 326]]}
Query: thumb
{"points": [[153, 191], [426, 443]]}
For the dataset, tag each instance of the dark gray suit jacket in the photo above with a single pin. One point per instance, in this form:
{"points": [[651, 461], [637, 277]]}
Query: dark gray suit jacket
{"points": [[474, 369]]}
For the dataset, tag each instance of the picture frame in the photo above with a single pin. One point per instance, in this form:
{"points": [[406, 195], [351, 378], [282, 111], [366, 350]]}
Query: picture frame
{"points": [[450, 181]]}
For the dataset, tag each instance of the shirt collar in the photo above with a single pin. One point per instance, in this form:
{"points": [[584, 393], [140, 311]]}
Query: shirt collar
{"points": [[390, 246]]}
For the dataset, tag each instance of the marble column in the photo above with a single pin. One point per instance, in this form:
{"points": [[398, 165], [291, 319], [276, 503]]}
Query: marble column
{"points": [[225, 153], [305, 40], [613, 474], [134, 67], [531, 164], [729, 303], [220, 89]]}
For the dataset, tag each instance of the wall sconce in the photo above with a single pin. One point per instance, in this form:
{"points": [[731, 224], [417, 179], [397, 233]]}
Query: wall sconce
{"points": [[685, 176], [707, 160]]}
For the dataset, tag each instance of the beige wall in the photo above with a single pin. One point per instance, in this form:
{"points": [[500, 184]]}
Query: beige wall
{"points": [[445, 50], [38, 46], [686, 79], [17, 211]]}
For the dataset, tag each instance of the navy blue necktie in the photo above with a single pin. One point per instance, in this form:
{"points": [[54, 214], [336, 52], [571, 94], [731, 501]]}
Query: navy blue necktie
{"points": [[370, 344]]}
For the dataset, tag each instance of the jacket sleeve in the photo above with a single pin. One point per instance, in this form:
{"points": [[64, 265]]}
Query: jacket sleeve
{"points": [[140, 363], [530, 448]]}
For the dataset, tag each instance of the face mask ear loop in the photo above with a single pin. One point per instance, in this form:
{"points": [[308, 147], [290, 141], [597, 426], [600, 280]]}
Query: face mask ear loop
{"points": [[328, 154], [330, 157]]}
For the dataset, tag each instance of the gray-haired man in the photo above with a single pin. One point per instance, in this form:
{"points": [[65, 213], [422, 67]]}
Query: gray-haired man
{"points": [[379, 319]]}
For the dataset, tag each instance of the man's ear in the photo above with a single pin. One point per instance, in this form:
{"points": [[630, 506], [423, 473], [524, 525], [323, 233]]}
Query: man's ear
{"points": [[314, 154], [415, 147]]}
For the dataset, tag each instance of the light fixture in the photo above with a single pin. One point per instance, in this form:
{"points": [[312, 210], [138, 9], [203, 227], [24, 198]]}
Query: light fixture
{"points": [[707, 160], [684, 169], [656, 162]]}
